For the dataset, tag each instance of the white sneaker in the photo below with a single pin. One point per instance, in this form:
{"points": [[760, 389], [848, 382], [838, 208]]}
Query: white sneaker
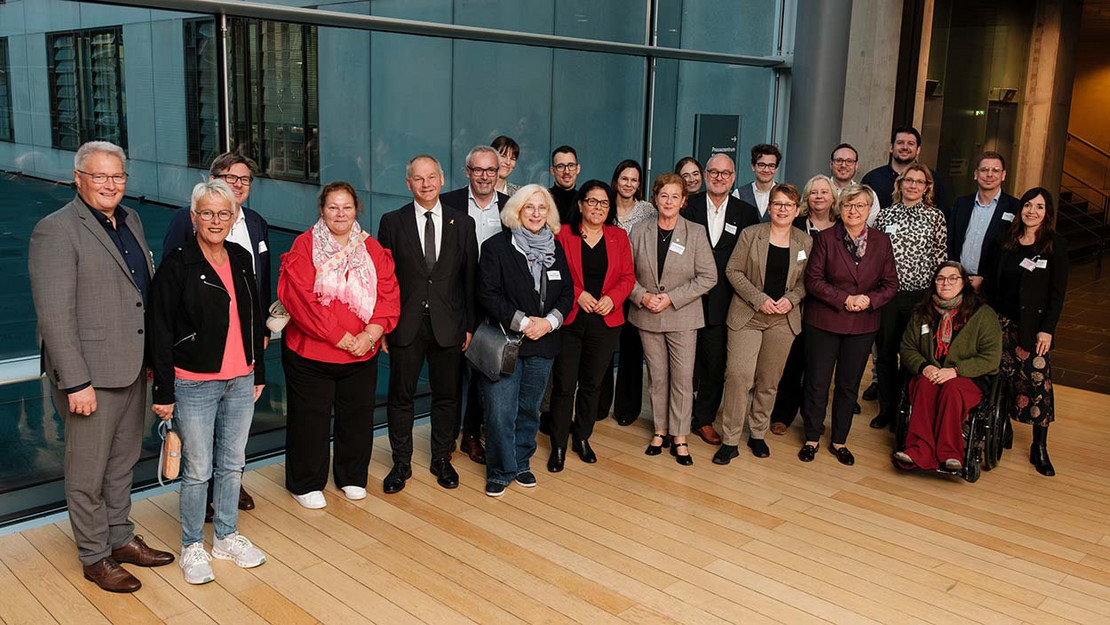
{"points": [[195, 562], [313, 501], [354, 493], [237, 548]]}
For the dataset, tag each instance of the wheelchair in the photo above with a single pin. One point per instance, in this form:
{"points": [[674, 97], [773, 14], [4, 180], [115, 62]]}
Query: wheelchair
{"points": [[986, 430]]}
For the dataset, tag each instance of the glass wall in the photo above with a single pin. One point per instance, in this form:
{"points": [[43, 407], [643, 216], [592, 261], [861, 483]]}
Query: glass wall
{"points": [[313, 104]]}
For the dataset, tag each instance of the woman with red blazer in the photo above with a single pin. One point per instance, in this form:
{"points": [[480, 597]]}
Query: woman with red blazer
{"points": [[600, 260], [850, 276]]}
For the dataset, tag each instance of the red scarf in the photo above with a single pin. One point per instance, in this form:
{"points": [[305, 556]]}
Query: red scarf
{"points": [[947, 326]]}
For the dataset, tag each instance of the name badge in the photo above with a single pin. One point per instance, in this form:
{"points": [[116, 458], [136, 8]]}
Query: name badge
{"points": [[1028, 264], [1007, 216], [730, 228], [493, 221], [677, 248], [553, 275], [924, 329], [262, 247], [1042, 263], [801, 255], [891, 229]]}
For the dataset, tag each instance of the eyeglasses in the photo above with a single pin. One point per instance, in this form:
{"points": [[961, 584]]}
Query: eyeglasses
{"points": [[207, 215], [102, 178], [535, 210], [948, 279], [482, 171], [719, 173], [233, 179], [594, 202], [782, 205], [766, 166], [565, 167], [844, 161], [920, 182], [857, 207], [990, 170]]}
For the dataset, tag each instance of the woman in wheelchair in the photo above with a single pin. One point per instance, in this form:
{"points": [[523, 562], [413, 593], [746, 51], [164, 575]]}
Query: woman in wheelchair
{"points": [[953, 338]]}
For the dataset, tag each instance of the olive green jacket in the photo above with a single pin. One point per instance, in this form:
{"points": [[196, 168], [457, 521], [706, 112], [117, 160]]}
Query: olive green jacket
{"points": [[975, 351]]}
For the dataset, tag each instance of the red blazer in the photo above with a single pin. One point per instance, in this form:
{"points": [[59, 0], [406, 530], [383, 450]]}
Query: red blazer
{"points": [[832, 275], [619, 276], [313, 328]]}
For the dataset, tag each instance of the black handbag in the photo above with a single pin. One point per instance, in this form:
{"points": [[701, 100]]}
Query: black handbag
{"points": [[493, 352]]}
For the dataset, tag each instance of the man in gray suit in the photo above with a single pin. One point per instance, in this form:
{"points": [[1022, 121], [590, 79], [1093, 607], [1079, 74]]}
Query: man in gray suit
{"points": [[90, 268], [765, 162]]}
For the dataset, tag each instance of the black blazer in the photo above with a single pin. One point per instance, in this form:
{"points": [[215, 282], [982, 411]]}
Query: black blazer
{"points": [[1041, 292], [506, 293], [459, 199], [739, 214], [959, 218], [447, 290]]}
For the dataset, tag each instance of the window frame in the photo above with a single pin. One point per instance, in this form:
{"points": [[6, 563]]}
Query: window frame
{"points": [[194, 124], [84, 84], [6, 84]]}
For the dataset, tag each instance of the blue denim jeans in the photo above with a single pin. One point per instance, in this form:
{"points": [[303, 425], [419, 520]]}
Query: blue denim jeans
{"points": [[513, 417], [213, 416]]}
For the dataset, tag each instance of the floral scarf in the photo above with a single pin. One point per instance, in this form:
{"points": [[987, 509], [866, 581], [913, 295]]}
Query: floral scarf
{"points": [[947, 309], [345, 273], [857, 246]]}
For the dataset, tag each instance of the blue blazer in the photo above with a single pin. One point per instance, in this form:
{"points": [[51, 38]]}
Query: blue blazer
{"points": [[959, 218]]}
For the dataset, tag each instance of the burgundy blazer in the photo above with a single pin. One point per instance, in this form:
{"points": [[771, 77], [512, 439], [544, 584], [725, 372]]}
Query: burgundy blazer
{"points": [[619, 276], [832, 275]]}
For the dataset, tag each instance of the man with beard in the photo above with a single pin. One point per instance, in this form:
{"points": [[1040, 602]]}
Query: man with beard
{"points": [[905, 147]]}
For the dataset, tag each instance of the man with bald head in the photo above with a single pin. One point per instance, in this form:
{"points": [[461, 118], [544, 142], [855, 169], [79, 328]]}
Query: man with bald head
{"points": [[435, 256], [723, 216]]}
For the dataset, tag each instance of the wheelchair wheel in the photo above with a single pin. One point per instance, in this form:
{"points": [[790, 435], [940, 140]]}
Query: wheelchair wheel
{"points": [[902, 421], [972, 472]]}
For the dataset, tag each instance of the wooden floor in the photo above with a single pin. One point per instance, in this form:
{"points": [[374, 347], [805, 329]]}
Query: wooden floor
{"points": [[635, 539]]}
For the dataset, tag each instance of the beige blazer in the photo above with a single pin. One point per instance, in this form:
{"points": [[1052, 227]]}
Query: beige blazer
{"points": [[748, 265], [688, 274]]}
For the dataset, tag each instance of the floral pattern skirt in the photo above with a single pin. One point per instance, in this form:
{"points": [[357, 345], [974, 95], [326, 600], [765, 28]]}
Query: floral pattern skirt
{"points": [[1026, 379]]}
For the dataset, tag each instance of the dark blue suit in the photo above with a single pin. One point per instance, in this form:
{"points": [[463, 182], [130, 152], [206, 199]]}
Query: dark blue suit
{"points": [[959, 218]]}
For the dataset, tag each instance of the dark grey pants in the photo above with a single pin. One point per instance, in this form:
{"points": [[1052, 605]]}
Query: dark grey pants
{"points": [[101, 452]]}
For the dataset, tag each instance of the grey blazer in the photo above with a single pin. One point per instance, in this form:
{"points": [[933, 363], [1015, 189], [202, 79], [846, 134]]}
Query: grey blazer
{"points": [[748, 267], [90, 313], [686, 276], [745, 193]]}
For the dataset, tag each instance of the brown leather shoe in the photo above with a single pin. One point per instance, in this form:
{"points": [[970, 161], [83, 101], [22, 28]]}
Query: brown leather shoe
{"points": [[778, 429], [137, 552], [246, 502], [472, 446], [708, 434], [110, 576]]}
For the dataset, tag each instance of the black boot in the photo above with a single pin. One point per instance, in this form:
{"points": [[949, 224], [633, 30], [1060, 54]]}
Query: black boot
{"points": [[557, 459], [1038, 452]]}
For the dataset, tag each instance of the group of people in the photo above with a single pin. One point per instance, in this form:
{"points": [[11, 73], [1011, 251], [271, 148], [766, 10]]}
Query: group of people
{"points": [[747, 303]]}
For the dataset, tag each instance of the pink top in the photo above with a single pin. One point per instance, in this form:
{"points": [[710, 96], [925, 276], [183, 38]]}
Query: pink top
{"points": [[234, 364]]}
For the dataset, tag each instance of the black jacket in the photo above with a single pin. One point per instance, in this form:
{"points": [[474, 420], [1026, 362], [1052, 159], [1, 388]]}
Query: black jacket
{"points": [[459, 199], [565, 201], [881, 180], [1041, 292], [447, 290], [959, 218], [187, 317], [506, 291], [739, 215]]}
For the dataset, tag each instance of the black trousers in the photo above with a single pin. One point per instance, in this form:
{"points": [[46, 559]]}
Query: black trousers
{"points": [[314, 391], [444, 373], [584, 359], [893, 319], [709, 374], [848, 354], [470, 418], [789, 398], [627, 398]]}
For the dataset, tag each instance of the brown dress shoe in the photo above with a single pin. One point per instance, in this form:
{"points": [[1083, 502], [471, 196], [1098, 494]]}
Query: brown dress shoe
{"points": [[137, 552], [110, 576], [708, 434], [472, 446], [246, 502], [778, 429]]}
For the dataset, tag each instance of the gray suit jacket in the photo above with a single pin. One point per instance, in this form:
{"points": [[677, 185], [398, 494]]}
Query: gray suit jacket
{"points": [[747, 269], [90, 313], [686, 276]]}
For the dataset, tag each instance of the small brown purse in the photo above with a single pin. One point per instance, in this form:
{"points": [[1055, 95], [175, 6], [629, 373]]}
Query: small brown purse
{"points": [[169, 458]]}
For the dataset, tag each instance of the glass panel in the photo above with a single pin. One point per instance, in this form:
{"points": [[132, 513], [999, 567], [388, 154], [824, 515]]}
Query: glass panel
{"points": [[6, 132], [87, 92], [202, 107], [733, 27]]}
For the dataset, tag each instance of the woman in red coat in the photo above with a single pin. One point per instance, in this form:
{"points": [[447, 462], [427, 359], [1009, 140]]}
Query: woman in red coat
{"points": [[338, 285], [600, 260]]}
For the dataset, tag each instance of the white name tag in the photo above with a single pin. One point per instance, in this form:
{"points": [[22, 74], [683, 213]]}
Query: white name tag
{"points": [[730, 228], [924, 329], [677, 248], [801, 255], [262, 247], [1042, 263], [553, 275], [1007, 216], [493, 221], [1028, 264], [891, 229]]}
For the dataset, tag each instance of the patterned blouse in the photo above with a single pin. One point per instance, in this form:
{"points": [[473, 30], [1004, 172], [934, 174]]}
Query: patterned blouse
{"points": [[642, 210], [920, 241]]}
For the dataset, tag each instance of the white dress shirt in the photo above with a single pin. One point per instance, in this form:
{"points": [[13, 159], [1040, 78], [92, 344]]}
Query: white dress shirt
{"points": [[240, 236], [487, 220], [715, 218], [437, 219]]}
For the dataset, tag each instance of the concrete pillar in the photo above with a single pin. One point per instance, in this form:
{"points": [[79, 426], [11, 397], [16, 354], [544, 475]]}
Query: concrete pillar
{"points": [[870, 84], [817, 86]]}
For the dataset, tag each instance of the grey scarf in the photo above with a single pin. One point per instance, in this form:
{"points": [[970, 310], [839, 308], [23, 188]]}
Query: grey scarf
{"points": [[539, 249]]}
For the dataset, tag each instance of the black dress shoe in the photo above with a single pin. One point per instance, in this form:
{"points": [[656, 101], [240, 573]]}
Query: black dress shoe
{"points": [[395, 481], [725, 454], [655, 450], [585, 452], [446, 476], [556, 460], [844, 456], [759, 448], [872, 392], [880, 421], [685, 460], [624, 420], [807, 453]]}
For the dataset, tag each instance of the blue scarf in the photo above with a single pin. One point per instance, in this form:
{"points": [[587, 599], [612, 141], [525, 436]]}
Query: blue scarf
{"points": [[539, 249]]}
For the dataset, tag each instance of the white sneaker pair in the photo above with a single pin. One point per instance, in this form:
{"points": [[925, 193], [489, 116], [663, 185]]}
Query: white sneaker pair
{"points": [[313, 500], [195, 560]]}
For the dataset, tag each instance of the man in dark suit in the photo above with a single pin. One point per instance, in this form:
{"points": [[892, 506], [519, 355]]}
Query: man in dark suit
{"points": [[435, 255], [483, 203], [976, 221], [723, 217], [565, 168], [905, 147], [90, 273]]}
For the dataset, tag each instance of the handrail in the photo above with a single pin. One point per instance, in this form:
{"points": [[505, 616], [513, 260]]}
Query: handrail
{"points": [[1089, 144], [1083, 182]]}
